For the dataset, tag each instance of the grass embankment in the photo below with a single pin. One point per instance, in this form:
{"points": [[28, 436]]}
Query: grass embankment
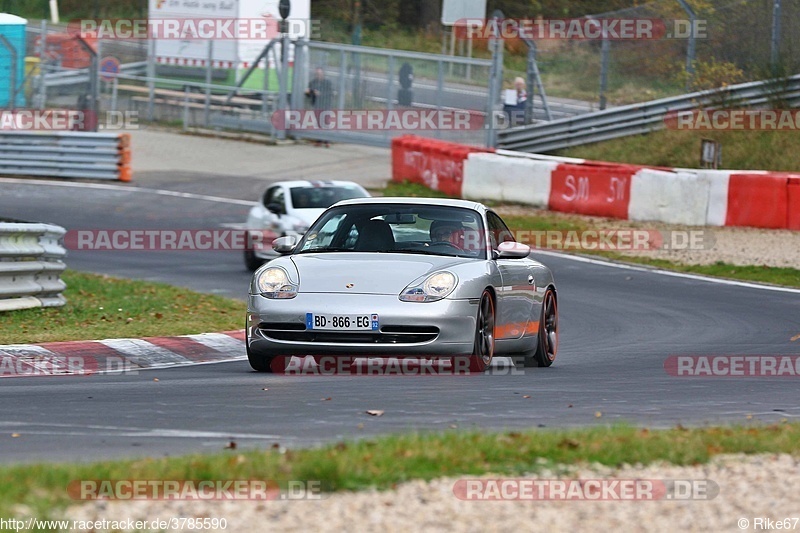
{"points": [[385, 461], [101, 307], [765, 150], [545, 221]]}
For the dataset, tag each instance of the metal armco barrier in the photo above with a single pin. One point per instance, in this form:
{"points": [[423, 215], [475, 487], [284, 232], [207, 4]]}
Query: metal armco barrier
{"points": [[66, 155], [31, 266], [643, 118], [63, 78]]}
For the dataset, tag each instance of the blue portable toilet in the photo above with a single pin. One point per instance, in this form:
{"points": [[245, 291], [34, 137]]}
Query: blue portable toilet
{"points": [[12, 28]]}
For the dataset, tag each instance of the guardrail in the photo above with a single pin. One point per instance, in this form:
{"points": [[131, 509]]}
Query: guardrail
{"points": [[31, 266], [65, 154], [65, 77], [642, 118]]}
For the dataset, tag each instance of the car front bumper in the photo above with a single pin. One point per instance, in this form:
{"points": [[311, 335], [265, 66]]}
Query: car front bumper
{"points": [[278, 327]]}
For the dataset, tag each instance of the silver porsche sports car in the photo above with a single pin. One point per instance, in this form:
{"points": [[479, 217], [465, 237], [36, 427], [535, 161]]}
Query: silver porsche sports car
{"points": [[387, 277]]}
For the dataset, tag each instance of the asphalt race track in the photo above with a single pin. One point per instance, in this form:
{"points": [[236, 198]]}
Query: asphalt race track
{"points": [[618, 326]]}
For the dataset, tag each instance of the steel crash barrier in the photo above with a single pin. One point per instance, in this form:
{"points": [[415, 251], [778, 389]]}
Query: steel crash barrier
{"points": [[641, 118], [31, 263], [66, 154]]}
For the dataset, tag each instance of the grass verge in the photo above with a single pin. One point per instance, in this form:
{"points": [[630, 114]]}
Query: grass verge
{"points": [[101, 307], [385, 461], [772, 150], [559, 222]]}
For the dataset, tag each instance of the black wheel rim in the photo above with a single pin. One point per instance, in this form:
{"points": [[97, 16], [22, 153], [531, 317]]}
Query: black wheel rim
{"points": [[485, 331], [550, 326]]}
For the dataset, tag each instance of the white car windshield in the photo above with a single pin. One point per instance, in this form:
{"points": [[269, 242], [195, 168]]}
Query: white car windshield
{"points": [[397, 228], [323, 197]]}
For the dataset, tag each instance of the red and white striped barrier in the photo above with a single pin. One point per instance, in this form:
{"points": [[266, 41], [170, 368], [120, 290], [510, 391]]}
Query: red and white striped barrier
{"points": [[113, 356], [692, 197]]}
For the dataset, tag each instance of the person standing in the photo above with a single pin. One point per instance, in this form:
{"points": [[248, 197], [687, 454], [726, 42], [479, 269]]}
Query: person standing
{"points": [[320, 91]]}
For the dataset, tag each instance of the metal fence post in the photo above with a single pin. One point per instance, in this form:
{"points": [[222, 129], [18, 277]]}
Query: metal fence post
{"points": [[439, 92], [298, 82], [776, 36], [265, 88], [151, 78], [42, 97], [209, 70], [12, 88], [114, 93], [390, 84], [185, 108], [495, 81], [604, 52], [284, 80], [342, 83], [690, 50]]}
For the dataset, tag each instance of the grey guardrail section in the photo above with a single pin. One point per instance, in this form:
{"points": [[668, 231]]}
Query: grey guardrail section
{"points": [[31, 263], [60, 154], [65, 77], [642, 118]]}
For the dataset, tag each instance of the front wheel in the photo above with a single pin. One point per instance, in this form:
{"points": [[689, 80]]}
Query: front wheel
{"points": [[483, 349], [547, 339]]}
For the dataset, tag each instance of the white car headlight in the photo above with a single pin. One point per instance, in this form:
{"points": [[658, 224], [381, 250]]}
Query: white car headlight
{"points": [[437, 286], [274, 283]]}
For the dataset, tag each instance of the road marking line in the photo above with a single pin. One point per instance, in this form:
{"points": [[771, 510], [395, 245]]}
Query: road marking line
{"points": [[111, 187], [696, 277]]}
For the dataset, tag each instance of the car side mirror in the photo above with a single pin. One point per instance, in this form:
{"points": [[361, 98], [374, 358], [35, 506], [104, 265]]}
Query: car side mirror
{"points": [[285, 245], [512, 250], [276, 208]]}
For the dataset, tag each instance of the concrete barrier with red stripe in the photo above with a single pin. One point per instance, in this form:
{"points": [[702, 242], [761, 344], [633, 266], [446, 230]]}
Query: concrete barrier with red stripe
{"points": [[692, 197], [433, 163], [793, 203], [591, 190], [678, 196]]}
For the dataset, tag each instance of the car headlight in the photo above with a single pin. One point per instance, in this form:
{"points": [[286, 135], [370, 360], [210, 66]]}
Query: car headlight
{"points": [[437, 286], [274, 283]]}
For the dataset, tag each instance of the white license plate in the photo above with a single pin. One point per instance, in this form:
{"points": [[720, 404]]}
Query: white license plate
{"points": [[324, 322]]}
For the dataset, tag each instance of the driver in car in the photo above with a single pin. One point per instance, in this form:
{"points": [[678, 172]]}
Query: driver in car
{"points": [[448, 231]]}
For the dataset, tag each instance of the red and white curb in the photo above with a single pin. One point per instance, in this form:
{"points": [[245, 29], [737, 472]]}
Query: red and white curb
{"points": [[116, 356]]}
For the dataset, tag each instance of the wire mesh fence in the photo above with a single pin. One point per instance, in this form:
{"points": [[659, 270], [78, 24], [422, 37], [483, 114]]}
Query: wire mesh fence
{"points": [[733, 41]]}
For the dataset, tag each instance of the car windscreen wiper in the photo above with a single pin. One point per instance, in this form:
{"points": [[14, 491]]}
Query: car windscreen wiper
{"points": [[422, 252], [324, 249]]}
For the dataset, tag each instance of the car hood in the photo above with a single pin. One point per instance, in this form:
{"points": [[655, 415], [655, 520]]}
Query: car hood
{"points": [[368, 273]]}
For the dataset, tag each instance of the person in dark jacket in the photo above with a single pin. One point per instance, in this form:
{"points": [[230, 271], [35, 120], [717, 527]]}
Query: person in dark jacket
{"points": [[320, 91]]}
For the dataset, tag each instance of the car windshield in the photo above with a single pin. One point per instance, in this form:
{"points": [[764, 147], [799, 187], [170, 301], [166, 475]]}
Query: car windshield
{"points": [[323, 197], [397, 228]]}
